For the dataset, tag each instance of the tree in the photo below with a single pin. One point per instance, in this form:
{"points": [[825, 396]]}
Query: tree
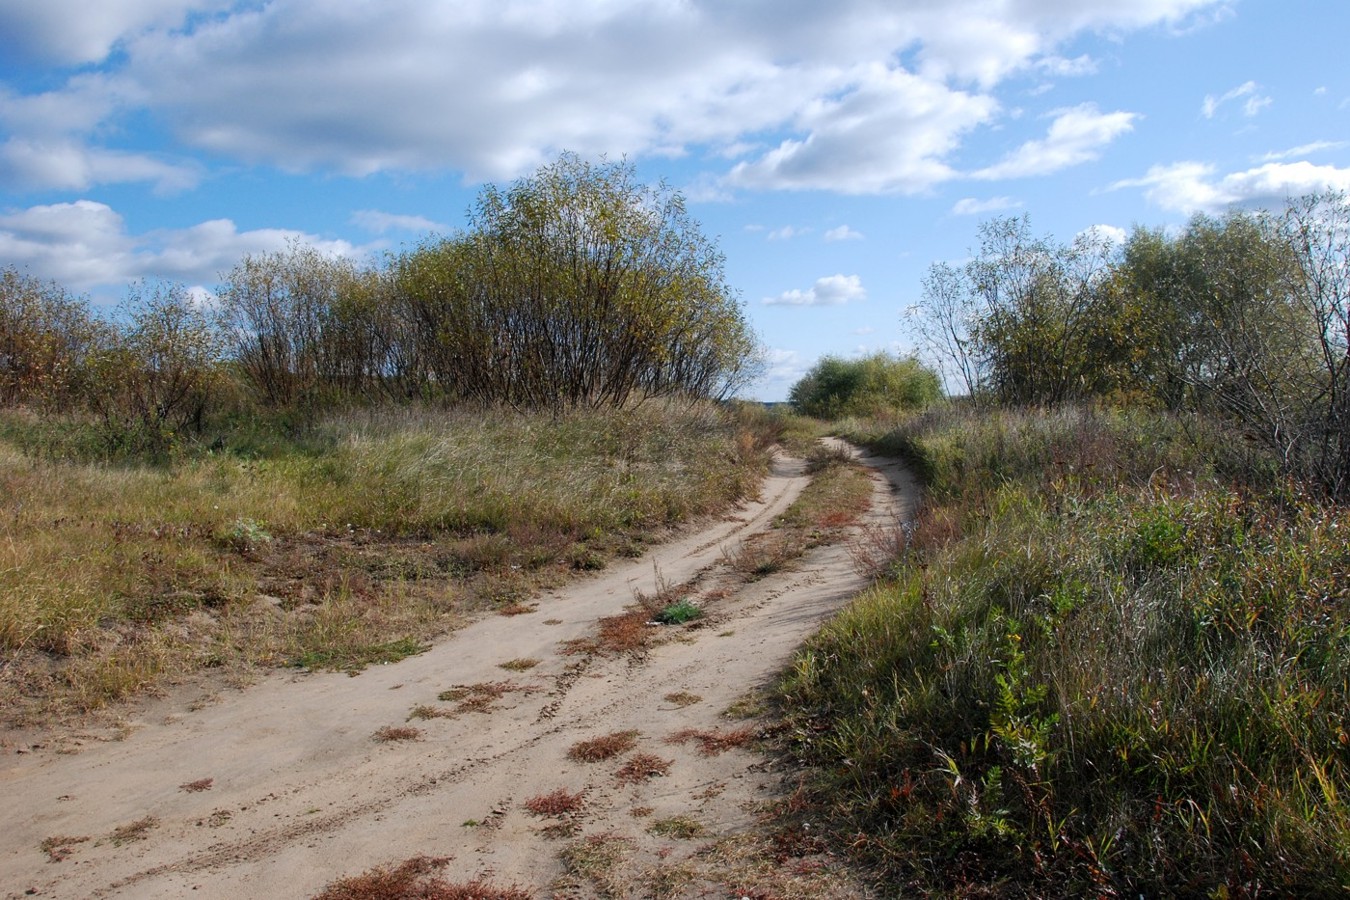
{"points": [[1023, 320], [875, 384], [1317, 229], [576, 286], [156, 376], [47, 340]]}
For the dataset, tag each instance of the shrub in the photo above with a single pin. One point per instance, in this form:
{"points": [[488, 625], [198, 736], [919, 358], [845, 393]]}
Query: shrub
{"points": [[875, 384]]}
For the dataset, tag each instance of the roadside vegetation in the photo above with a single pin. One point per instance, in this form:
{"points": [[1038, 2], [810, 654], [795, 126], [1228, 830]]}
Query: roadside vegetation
{"points": [[1111, 657], [331, 463]]}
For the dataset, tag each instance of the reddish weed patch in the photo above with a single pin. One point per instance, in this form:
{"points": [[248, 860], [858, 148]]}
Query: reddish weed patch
{"points": [[201, 784], [642, 767], [711, 743], [603, 748], [415, 879], [557, 803]]}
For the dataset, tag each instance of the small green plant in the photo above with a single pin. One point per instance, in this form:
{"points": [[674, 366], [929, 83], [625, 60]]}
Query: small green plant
{"points": [[678, 613], [518, 665]]}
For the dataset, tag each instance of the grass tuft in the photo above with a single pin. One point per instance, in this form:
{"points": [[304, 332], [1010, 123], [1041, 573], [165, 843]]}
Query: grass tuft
{"points": [[642, 767], [557, 803]]}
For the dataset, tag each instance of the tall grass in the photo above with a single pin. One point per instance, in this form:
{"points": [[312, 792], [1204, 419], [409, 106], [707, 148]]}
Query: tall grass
{"points": [[1102, 669], [362, 530]]}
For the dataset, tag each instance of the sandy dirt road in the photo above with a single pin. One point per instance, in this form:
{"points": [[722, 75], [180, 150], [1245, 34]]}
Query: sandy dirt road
{"points": [[278, 789]]}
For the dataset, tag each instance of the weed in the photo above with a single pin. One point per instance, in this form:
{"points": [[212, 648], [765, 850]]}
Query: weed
{"points": [[390, 733], [523, 664], [711, 743], [353, 659], [597, 862], [603, 748], [678, 613], [415, 878], [558, 803], [133, 831], [642, 767], [481, 697], [201, 784], [424, 711], [60, 847], [682, 698], [682, 827]]}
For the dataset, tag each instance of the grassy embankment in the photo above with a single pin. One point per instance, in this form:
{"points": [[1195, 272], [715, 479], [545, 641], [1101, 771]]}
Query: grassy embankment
{"points": [[337, 545], [1113, 659]]}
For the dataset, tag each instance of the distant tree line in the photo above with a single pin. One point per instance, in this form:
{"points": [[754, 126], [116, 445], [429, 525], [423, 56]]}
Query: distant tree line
{"points": [[1244, 317], [578, 286]]}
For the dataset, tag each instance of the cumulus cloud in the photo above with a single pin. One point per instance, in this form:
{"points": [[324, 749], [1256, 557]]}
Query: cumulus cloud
{"points": [[969, 206], [833, 290], [1109, 234], [888, 133], [812, 98], [71, 32], [70, 165], [1253, 101], [1189, 187], [1076, 135], [85, 245], [377, 222], [842, 233]]}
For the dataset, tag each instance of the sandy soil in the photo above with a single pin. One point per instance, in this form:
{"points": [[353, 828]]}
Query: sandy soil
{"points": [[279, 789]]}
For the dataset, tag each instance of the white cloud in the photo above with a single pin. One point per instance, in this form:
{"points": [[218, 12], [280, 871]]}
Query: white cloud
{"points": [[842, 233], [77, 31], [377, 222], [814, 99], [1304, 150], [1060, 67], [1189, 187], [1253, 104], [833, 290], [1110, 234], [1077, 135], [786, 233], [69, 165], [889, 132], [969, 206], [85, 245]]}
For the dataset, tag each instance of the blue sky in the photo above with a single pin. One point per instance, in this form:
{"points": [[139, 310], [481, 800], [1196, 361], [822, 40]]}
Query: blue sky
{"points": [[834, 149]]}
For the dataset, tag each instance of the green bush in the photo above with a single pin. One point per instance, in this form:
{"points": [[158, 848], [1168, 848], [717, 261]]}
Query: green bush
{"points": [[869, 386]]}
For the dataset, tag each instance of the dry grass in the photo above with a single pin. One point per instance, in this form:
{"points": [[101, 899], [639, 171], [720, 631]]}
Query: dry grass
{"points": [[683, 827], [60, 847], [201, 784], [523, 664], [597, 864], [558, 803], [481, 697], [391, 733], [415, 879], [605, 747], [424, 711], [682, 698], [642, 767], [133, 831], [116, 576], [711, 743]]}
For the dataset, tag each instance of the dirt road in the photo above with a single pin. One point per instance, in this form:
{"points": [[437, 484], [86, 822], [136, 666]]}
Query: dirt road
{"points": [[279, 789]]}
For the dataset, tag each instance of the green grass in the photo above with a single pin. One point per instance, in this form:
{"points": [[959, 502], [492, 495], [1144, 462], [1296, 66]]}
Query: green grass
{"points": [[335, 543], [1101, 668]]}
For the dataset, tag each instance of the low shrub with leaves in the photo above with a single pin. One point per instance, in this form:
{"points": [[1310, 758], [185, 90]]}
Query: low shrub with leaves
{"points": [[1099, 669]]}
